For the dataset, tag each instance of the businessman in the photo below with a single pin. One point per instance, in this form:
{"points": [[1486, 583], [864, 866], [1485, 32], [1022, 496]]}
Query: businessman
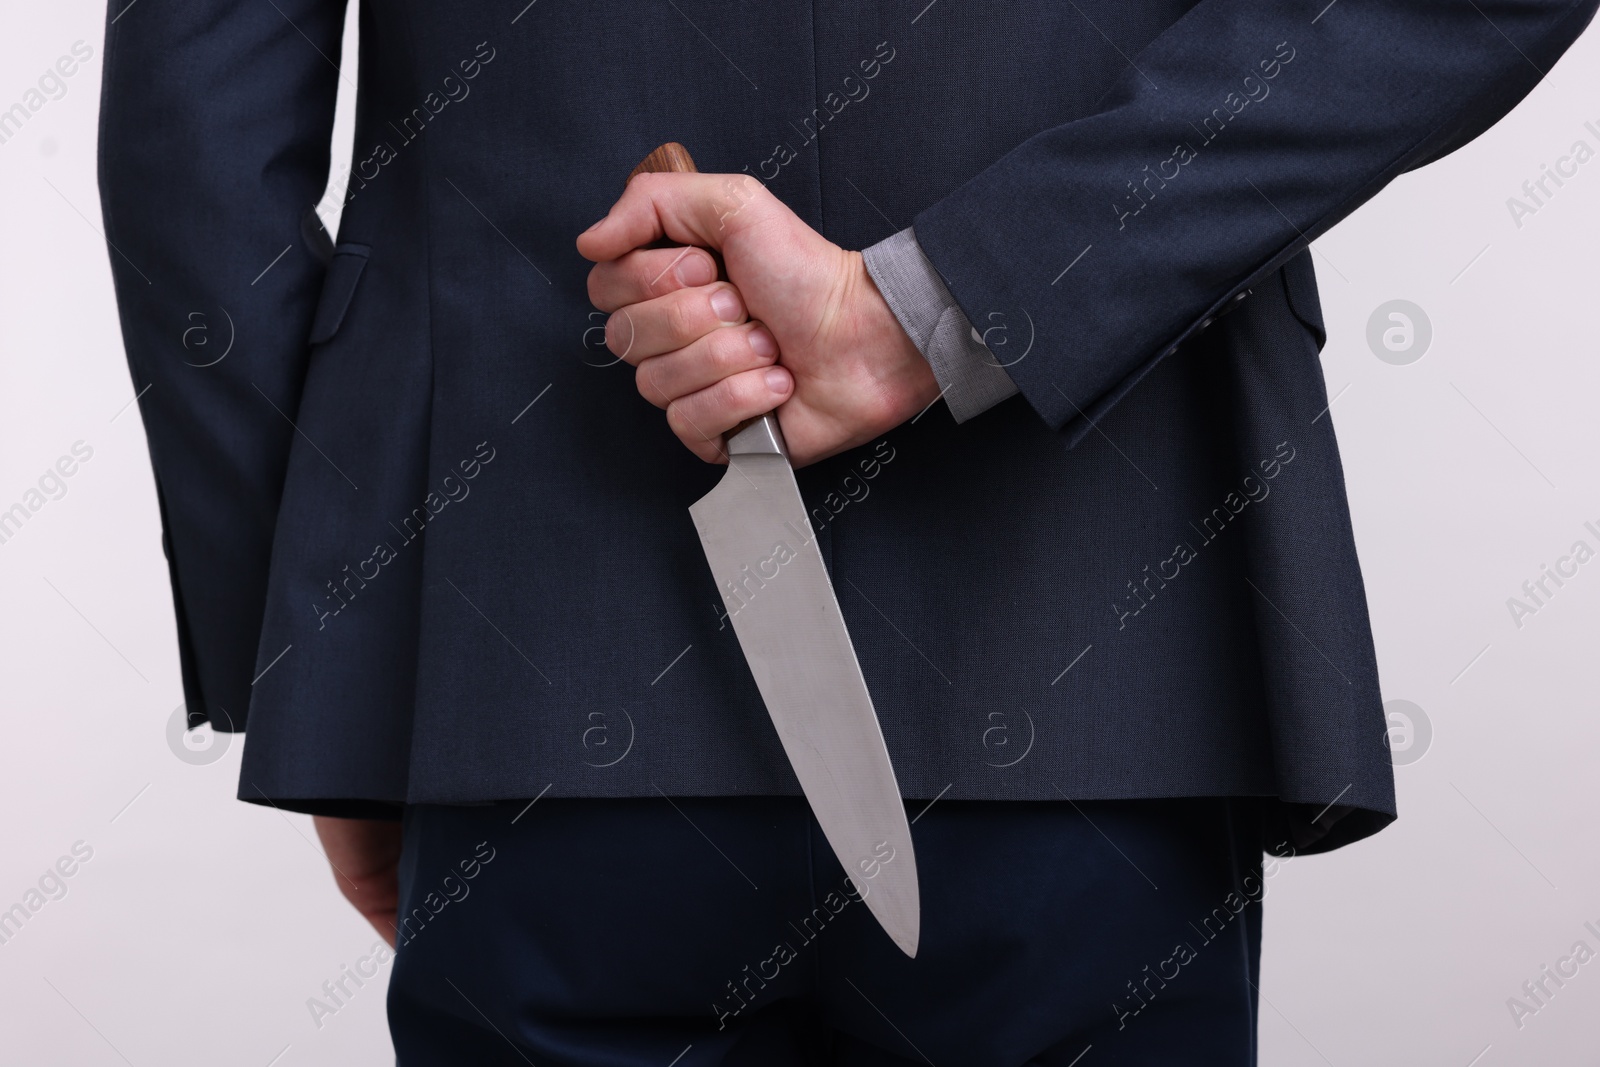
{"points": [[1029, 289]]}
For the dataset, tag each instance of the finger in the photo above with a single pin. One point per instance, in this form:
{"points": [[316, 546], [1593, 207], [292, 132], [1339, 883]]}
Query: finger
{"points": [[719, 354], [688, 209], [671, 322], [700, 419], [648, 272]]}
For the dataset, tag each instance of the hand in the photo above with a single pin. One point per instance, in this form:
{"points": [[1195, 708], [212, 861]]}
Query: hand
{"points": [[365, 856], [798, 325]]}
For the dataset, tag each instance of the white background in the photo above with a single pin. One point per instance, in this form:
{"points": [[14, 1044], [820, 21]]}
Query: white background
{"points": [[201, 925]]}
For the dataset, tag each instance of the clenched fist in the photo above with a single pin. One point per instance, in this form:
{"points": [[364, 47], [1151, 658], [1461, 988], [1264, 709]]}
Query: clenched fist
{"points": [[797, 325]]}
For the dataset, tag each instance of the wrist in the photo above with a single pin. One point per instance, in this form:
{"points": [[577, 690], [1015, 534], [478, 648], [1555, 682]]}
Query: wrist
{"points": [[901, 368]]}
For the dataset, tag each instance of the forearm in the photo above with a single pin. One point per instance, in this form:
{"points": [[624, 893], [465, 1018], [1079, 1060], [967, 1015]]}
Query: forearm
{"points": [[215, 128], [1245, 130]]}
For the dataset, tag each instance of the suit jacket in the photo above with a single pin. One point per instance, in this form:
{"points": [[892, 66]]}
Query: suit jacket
{"points": [[428, 543]]}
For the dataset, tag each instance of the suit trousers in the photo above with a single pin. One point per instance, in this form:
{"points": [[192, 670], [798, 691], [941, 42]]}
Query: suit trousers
{"points": [[686, 932]]}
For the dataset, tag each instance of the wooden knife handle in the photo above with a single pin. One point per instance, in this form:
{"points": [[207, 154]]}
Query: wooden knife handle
{"points": [[766, 437], [670, 157]]}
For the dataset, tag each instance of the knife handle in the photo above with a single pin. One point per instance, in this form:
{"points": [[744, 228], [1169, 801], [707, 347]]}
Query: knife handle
{"points": [[670, 157], [761, 434]]}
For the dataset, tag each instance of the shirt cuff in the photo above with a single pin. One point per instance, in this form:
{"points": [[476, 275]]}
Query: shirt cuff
{"points": [[971, 380]]}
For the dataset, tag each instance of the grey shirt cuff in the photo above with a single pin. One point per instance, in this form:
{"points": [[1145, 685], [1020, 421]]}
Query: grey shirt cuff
{"points": [[971, 380]]}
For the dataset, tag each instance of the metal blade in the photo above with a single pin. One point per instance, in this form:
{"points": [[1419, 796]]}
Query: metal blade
{"points": [[769, 569]]}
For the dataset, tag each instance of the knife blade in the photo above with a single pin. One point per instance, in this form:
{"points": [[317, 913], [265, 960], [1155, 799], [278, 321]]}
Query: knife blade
{"points": [[768, 567]]}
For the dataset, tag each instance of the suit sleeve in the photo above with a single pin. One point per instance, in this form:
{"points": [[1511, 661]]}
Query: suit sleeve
{"points": [[215, 126], [1241, 133]]}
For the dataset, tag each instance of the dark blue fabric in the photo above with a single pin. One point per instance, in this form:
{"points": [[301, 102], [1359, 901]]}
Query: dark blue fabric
{"points": [[723, 931], [416, 587], [338, 289]]}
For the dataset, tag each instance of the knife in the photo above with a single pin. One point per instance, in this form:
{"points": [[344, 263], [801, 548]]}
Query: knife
{"points": [[766, 563]]}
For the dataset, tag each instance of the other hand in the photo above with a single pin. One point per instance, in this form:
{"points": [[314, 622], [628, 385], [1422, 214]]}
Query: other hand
{"points": [[365, 856]]}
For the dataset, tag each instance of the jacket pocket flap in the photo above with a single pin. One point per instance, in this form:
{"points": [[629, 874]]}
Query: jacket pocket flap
{"points": [[338, 287]]}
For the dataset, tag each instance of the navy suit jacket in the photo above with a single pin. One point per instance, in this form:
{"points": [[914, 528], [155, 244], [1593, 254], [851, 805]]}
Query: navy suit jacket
{"points": [[428, 543]]}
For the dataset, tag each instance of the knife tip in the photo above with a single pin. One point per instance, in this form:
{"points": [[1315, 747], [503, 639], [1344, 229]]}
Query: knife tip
{"points": [[906, 940]]}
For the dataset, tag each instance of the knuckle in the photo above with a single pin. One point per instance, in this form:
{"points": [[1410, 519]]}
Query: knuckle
{"points": [[737, 393], [681, 316], [644, 378], [620, 333], [651, 281], [750, 188], [679, 423], [726, 351]]}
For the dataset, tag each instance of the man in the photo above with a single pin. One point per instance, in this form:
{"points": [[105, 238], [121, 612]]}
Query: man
{"points": [[425, 545]]}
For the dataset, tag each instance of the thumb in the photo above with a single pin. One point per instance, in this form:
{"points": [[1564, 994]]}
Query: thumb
{"points": [[706, 210]]}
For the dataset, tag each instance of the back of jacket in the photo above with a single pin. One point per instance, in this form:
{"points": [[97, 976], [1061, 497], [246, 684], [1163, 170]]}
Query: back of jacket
{"points": [[429, 543]]}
